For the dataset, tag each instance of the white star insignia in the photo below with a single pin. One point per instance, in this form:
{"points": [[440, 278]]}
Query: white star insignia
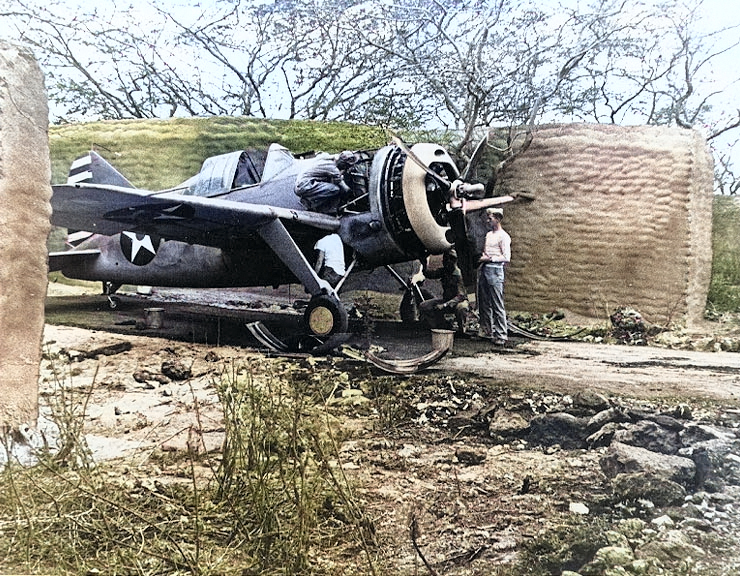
{"points": [[170, 213], [137, 244]]}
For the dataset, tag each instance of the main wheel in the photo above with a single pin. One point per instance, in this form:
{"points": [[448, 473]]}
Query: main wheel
{"points": [[325, 315]]}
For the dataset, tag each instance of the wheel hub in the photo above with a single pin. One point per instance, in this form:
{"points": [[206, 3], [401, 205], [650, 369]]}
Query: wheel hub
{"points": [[321, 321]]}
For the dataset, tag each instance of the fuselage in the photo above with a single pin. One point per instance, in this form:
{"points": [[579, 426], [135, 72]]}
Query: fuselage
{"points": [[390, 211]]}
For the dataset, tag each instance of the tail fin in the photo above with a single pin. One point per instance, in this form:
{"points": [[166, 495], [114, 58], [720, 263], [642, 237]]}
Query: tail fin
{"points": [[93, 169]]}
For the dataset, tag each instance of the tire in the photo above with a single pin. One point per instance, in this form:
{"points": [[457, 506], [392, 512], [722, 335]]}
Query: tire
{"points": [[325, 316]]}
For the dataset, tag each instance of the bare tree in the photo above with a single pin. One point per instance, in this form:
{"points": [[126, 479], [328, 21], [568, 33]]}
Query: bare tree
{"points": [[462, 65], [288, 59]]}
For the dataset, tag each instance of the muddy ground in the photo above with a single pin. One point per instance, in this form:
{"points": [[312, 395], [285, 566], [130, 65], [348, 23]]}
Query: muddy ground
{"points": [[479, 503]]}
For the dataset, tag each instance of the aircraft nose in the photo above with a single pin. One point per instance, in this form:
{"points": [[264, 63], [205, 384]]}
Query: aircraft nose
{"points": [[425, 196]]}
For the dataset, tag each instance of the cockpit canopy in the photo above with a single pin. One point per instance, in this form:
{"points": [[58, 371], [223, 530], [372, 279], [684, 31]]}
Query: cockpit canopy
{"points": [[223, 173]]}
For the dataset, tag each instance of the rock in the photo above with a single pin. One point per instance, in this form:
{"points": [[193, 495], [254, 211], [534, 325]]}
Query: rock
{"points": [[144, 377], [703, 464], [667, 421], [663, 522], [176, 370], [651, 436], [107, 350], [607, 558], [578, 508], [604, 436], [682, 412], [591, 399], [470, 456], [464, 423], [505, 424], [560, 428], [660, 491], [616, 538], [604, 417], [696, 524], [696, 433], [640, 566], [669, 547], [622, 458], [631, 527], [713, 450], [672, 339]]}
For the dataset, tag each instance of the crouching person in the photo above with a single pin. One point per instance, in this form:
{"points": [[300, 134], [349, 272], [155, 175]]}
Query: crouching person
{"points": [[454, 295]]}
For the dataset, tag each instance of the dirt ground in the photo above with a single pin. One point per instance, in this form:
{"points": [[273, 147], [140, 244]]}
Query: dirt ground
{"points": [[673, 371], [477, 506]]}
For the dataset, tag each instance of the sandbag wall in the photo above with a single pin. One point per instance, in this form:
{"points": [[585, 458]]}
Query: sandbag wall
{"points": [[622, 217], [25, 191]]}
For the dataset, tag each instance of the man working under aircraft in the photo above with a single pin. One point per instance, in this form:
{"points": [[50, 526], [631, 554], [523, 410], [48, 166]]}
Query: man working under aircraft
{"points": [[330, 258], [454, 295]]}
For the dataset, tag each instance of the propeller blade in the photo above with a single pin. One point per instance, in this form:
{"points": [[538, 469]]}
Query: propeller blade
{"points": [[475, 158], [440, 179]]}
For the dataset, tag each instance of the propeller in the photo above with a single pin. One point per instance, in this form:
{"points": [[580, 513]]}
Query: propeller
{"points": [[475, 158], [459, 185], [439, 178]]}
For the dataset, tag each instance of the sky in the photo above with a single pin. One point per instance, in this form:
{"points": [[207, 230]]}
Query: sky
{"points": [[723, 14], [717, 14]]}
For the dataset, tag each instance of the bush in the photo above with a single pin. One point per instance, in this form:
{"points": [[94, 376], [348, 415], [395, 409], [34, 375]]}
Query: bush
{"points": [[724, 289]]}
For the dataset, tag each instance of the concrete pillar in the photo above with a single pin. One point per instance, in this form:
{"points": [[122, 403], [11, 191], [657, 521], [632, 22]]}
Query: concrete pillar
{"points": [[25, 191]]}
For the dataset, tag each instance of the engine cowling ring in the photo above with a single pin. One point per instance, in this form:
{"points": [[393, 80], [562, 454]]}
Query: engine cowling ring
{"points": [[433, 235]]}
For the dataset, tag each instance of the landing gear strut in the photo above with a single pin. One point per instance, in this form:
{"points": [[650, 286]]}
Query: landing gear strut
{"points": [[109, 288]]}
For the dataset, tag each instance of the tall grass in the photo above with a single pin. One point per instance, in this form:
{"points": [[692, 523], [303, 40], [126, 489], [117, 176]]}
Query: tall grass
{"points": [[275, 502], [279, 475], [724, 289]]}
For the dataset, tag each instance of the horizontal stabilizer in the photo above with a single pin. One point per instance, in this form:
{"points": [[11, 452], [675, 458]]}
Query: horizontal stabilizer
{"points": [[62, 260]]}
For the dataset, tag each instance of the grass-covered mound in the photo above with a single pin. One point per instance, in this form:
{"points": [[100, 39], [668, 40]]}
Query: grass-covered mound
{"points": [[157, 154]]}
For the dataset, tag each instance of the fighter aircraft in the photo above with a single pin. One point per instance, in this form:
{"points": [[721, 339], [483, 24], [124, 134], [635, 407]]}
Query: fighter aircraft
{"points": [[252, 218]]}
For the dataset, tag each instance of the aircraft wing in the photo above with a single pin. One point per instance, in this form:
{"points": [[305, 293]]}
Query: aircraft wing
{"points": [[108, 210]]}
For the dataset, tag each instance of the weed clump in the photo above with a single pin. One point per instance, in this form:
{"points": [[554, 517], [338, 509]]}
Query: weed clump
{"points": [[275, 501], [278, 474], [565, 547]]}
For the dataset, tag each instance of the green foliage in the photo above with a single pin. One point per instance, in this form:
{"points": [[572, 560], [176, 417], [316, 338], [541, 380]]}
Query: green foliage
{"points": [[158, 154], [724, 289], [277, 473], [275, 503], [565, 547]]}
